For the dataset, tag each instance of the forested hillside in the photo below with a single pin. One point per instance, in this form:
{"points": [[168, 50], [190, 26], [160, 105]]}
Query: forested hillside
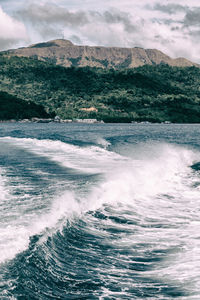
{"points": [[12, 107], [148, 93]]}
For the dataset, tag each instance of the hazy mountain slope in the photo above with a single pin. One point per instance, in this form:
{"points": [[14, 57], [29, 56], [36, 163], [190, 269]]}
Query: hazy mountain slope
{"points": [[64, 53]]}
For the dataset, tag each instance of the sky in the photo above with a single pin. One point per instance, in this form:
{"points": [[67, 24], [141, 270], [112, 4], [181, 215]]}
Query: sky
{"points": [[170, 26]]}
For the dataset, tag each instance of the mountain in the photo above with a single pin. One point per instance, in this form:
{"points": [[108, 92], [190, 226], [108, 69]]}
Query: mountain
{"points": [[155, 93], [65, 53]]}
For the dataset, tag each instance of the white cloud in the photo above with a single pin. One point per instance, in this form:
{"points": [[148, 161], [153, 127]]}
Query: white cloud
{"points": [[12, 31]]}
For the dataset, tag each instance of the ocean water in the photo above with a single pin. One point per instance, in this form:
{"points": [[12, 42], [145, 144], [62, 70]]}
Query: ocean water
{"points": [[105, 211]]}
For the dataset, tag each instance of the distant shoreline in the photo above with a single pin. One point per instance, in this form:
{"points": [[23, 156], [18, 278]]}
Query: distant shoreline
{"points": [[85, 121]]}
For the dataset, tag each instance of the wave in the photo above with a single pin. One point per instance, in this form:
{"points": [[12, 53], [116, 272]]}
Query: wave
{"points": [[149, 196], [24, 214]]}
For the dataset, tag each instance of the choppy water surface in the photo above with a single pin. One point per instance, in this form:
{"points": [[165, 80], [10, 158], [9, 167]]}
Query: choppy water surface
{"points": [[99, 211]]}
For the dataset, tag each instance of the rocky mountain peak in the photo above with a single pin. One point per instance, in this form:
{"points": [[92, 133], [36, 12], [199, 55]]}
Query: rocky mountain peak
{"points": [[65, 53]]}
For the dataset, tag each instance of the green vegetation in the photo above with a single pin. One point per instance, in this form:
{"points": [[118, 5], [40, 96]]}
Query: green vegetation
{"points": [[15, 108], [149, 93]]}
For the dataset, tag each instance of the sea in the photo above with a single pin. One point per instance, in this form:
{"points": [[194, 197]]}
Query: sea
{"points": [[99, 211]]}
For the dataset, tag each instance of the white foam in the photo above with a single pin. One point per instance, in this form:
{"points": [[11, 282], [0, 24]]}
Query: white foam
{"points": [[3, 189], [103, 142], [19, 226], [158, 190], [12, 236], [64, 207], [85, 159], [138, 181]]}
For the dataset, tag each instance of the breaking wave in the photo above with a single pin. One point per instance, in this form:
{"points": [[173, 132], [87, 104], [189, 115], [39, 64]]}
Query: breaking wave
{"points": [[88, 222]]}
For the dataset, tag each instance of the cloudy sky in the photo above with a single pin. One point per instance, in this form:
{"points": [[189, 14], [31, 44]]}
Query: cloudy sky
{"points": [[170, 26]]}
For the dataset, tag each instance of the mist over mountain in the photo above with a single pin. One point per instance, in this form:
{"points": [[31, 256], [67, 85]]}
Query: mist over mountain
{"points": [[65, 53]]}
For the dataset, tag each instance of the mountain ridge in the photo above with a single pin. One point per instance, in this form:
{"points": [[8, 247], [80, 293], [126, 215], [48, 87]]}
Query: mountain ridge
{"points": [[65, 53]]}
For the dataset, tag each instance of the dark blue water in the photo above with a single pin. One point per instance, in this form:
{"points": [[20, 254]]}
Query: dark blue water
{"points": [[99, 211]]}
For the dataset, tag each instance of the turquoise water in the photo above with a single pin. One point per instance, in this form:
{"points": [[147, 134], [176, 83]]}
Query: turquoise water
{"points": [[105, 211]]}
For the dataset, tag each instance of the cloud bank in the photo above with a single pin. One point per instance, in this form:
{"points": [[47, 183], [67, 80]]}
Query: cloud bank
{"points": [[171, 26], [12, 31]]}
